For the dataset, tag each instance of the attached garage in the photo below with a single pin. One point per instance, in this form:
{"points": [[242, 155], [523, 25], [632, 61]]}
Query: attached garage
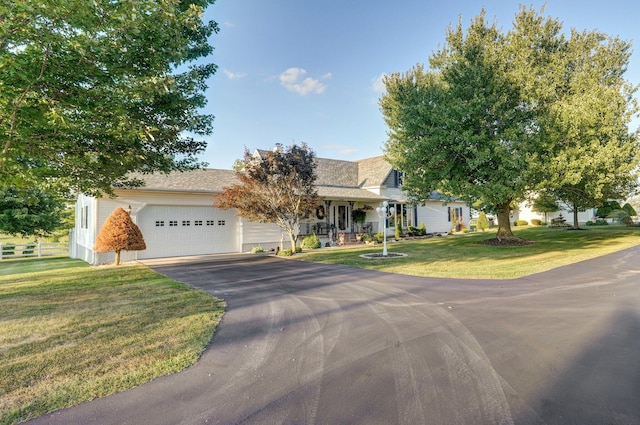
{"points": [[171, 231]]}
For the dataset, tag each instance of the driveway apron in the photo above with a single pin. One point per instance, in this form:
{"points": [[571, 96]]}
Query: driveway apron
{"points": [[305, 343]]}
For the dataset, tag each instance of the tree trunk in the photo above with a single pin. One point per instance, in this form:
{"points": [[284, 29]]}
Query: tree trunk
{"points": [[576, 225], [292, 239], [117, 257], [504, 225]]}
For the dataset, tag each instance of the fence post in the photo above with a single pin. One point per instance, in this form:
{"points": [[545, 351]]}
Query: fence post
{"points": [[39, 249], [1, 251]]}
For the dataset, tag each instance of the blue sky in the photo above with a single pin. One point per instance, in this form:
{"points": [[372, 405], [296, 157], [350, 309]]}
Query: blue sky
{"points": [[294, 71]]}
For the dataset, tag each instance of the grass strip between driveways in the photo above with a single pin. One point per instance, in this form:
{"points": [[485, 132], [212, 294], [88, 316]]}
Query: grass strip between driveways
{"points": [[70, 332], [458, 256]]}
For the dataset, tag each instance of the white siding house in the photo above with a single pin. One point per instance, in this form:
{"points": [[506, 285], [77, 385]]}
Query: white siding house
{"points": [[176, 216]]}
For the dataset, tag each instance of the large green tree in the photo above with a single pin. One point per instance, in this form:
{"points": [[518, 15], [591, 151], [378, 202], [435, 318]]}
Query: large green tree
{"points": [[275, 187], [93, 90], [592, 154], [498, 118], [464, 127]]}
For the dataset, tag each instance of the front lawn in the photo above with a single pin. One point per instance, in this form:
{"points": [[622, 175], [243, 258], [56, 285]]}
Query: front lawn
{"points": [[459, 256], [70, 332]]}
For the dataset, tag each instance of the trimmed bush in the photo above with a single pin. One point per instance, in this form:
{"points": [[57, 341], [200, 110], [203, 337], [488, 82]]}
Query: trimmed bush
{"points": [[521, 223], [285, 252], [536, 222], [29, 249], [311, 242], [423, 228], [483, 221], [257, 250]]}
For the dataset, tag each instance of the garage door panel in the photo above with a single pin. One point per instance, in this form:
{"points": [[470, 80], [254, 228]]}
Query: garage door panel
{"points": [[177, 231]]}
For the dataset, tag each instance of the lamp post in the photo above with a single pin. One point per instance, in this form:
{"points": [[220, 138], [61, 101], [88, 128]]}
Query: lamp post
{"points": [[383, 213]]}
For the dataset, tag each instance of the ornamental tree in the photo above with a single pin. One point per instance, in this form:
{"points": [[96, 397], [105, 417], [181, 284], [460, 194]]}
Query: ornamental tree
{"points": [[91, 91], [119, 232], [274, 187]]}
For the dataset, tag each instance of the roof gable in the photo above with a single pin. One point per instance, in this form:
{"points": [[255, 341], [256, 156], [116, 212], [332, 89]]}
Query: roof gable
{"points": [[373, 171]]}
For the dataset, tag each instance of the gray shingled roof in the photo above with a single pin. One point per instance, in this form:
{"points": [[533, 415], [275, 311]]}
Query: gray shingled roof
{"points": [[336, 179], [373, 171], [206, 180]]}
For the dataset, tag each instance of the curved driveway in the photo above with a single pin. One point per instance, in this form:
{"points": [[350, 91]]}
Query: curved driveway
{"points": [[305, 343]]}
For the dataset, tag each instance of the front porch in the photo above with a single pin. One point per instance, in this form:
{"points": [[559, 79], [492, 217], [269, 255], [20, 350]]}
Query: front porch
{"points": [[339, 221]]}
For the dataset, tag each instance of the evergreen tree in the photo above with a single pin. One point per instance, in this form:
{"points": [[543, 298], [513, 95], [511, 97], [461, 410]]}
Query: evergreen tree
{"points": [[119, 233], [483, 221]]}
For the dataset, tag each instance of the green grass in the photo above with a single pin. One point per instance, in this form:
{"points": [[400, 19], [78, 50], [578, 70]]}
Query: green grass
{"points": [[70, 332], [460, 257]]}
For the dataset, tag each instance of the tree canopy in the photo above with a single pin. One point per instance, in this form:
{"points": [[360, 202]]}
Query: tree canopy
{"points": [[30, 211], [274, 187], [119, 233], [93, 90], [498, 117]]}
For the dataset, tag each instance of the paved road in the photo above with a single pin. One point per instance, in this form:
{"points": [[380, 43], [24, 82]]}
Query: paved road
{"points": [[305, 343]]}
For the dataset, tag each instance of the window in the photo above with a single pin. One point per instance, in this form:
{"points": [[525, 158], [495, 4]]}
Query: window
{"points": [[186, 222], [221, 222], [84, 217], [159, 223], [173, 223], [211, 222], [197, 222]]}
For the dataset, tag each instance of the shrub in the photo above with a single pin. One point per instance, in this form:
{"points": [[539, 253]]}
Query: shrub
{"points": [[483, 221], [423, 228], [378, 237], [536, 222], [311, 242], [521, 223], [285, 252], [257, 249], [398, 233], [29, 249], [622, 217]]}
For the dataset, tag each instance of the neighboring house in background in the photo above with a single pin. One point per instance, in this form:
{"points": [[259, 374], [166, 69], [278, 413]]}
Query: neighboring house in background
{"points": [[524, 212], [176, 215]]}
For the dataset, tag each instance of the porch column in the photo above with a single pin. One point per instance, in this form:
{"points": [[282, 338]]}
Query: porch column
{"points": [[327, 205], [350, 216]]}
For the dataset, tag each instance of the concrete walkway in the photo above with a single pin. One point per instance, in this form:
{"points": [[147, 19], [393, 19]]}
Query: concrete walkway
{"points": [[305, 343]]}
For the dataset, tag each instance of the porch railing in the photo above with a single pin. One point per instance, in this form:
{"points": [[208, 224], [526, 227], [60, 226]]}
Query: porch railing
{"points": [[322, 228]]}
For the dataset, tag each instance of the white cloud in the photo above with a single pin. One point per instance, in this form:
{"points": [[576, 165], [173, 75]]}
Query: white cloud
{"points": [[233, 75], [293, 79], [228, 24], [377, 84]]}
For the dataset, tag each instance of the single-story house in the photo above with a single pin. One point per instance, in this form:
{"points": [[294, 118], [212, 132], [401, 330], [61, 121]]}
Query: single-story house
{"points": [[525, 212], [176, 215]]}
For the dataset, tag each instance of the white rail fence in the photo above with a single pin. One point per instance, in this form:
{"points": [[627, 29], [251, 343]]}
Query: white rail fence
{"points": [[39, 250]]}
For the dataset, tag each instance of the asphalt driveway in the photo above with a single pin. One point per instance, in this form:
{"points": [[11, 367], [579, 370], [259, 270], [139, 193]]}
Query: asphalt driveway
{"points": [[305, 343]]}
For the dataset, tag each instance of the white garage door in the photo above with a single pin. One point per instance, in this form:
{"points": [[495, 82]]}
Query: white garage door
{"points": [[171, 231]]}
